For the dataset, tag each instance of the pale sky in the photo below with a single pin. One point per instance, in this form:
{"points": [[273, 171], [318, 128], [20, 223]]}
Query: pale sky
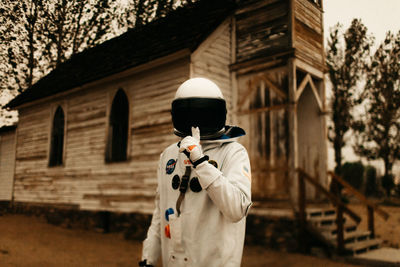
{"points": [[378, 15]]}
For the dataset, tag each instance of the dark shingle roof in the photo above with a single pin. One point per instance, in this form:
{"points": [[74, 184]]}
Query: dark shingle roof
{"points": [[183, 28]]}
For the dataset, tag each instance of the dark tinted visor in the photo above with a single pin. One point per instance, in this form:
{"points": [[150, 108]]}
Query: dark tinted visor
{"points": [[209, 114]]}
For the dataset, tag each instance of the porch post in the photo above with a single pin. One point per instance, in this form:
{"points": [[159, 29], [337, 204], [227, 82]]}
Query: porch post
{"points": [[293, 142]]}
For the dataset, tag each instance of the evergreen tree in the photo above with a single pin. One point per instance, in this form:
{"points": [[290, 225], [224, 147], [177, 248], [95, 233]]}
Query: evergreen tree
{"points": [[378, 130], [345, 65]]}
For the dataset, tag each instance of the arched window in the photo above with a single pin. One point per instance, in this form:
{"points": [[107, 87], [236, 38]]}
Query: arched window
{"points": [[118, 129], [57, 138]]}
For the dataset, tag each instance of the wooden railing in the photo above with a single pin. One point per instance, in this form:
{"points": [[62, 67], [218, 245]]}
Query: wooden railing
{"points": [[341, 207], [371, 207]]}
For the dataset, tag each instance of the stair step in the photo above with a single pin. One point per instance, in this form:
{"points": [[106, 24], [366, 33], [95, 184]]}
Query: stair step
{"points": [[314, 212], [351, 237], [348, 226], [356, 236], [364, 246], [325, 220]]}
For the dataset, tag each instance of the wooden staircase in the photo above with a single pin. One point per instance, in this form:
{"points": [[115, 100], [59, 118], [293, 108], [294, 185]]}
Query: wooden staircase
{"points": [[336, 225], [356, 241]]}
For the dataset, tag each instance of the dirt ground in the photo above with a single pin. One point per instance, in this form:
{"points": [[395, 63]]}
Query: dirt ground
{"points": [[30, 241]]}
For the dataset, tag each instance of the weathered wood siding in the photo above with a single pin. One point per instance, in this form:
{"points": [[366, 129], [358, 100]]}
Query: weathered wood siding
{"points": [[308, 32], [212, 60], [267, 135], [262, 28], [272, 27], [271, 35], [85, 180], [7, 164]]}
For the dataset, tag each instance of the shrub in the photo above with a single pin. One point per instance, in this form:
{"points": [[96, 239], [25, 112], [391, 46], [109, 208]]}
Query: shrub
{"points": [[353, 173], [397, 190], [387, 183], [370, 181]]}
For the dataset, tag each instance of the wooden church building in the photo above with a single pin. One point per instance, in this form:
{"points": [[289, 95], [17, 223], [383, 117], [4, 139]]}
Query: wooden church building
{"points": [[90, 133]]}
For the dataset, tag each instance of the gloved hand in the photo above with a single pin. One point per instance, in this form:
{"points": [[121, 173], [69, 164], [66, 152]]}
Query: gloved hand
{"points": [[191, 144]]}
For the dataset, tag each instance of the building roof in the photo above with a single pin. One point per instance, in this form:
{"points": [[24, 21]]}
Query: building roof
{"points": [[184, 28]]}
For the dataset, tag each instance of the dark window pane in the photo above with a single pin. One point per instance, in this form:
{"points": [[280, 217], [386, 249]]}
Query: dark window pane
{"points": [[57, 139], [118, 129]]}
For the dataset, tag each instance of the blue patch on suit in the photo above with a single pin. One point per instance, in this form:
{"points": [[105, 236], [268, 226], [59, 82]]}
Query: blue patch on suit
{"points": [[168, 212], [170, 166]]}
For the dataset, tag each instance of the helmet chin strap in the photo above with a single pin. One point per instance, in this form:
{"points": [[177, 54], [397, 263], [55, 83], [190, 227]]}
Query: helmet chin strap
{"points": [[202, 137]]}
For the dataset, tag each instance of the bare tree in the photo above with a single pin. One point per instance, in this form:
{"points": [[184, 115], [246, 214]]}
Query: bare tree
{"points": [[72, 26], [20, 43], [137, 13], [36, 36]]}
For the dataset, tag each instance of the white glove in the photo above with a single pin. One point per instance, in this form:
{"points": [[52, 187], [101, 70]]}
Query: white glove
{"points": [[192, 145]]}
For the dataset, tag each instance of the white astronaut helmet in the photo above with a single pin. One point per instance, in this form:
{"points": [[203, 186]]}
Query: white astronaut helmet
{"points": [[199, 103]]}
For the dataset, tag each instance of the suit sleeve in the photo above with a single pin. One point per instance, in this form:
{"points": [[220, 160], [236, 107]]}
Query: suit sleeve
{"points": [[152, 244], [230, 190]]}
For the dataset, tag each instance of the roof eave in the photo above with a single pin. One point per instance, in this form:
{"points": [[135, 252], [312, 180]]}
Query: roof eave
{"points": [[107, 78]]}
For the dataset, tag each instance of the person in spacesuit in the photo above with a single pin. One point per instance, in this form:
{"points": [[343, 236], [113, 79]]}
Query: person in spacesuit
{"points": [[204, 185]]}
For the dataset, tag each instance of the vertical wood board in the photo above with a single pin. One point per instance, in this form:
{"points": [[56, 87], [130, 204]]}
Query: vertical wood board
{"points": [[263, 30], [7, 164], [267, 136]]}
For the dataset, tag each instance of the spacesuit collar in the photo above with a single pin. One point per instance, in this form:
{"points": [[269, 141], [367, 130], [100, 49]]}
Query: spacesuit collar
{"points": [[232, 133]]}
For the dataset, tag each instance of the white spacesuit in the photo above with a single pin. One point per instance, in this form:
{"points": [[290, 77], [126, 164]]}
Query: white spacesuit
{"points": [[204, 187]]}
